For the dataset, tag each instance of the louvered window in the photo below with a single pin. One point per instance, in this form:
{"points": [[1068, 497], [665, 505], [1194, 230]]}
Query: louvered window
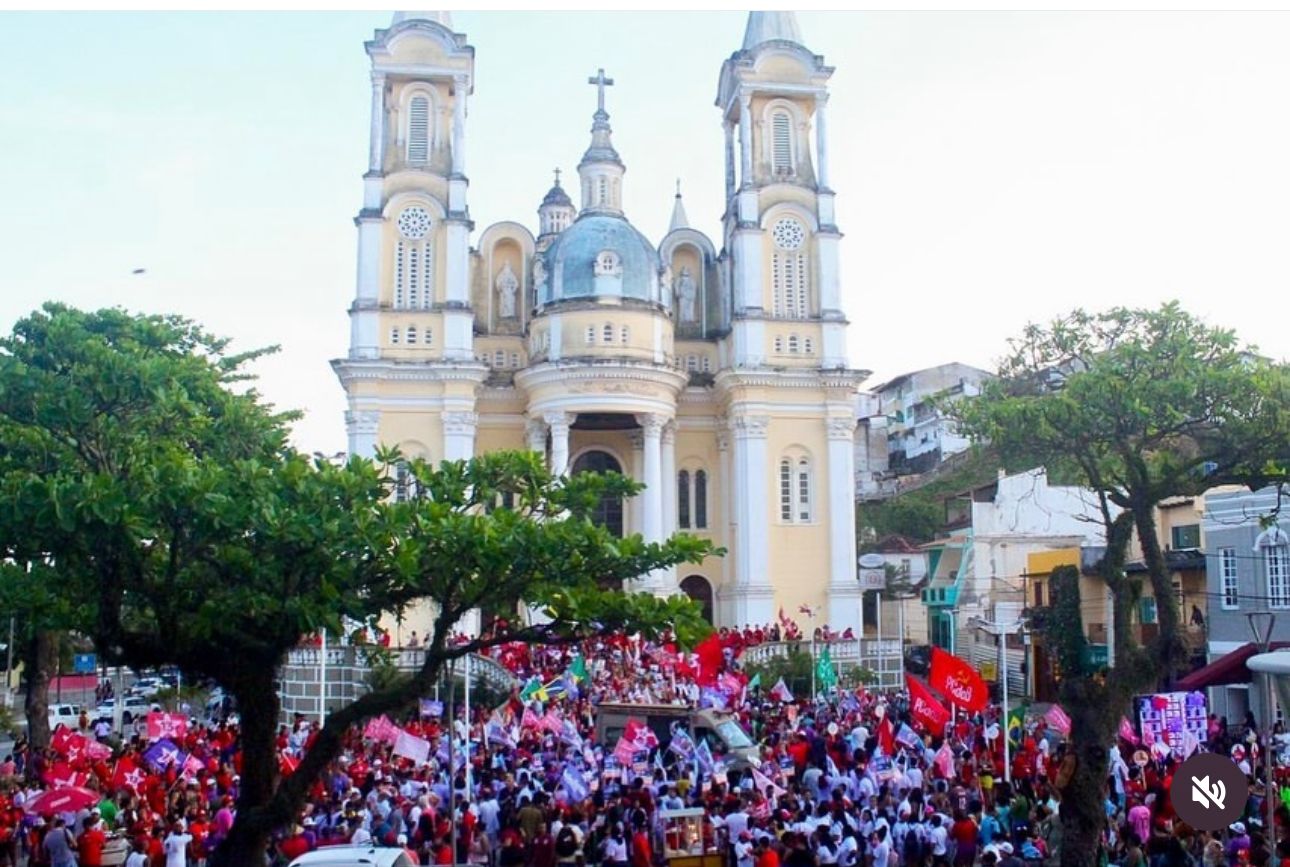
{"points": [[785, 490], [781, 126], [789, 281], [803, 490], [419, 129]]}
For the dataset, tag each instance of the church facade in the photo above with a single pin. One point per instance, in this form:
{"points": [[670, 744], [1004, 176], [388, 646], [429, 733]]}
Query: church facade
{"points": [[715, 373]]}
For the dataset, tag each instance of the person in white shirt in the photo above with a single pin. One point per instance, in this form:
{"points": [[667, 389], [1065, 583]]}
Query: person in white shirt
{"points": [[744, 850], [176, 845], [881, 848], [138, 856]]}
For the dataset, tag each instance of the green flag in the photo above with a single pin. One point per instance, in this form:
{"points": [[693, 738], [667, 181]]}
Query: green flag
{"points": [[824, 671], [755, 683], [578, 669], [532, 689]]}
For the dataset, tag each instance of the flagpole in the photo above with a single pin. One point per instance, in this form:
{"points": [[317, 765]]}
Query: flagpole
{"points": [[322, 677], [466, 659], [813, 663]]}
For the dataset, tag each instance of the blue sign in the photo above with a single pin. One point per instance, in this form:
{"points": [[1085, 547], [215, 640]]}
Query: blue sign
{"points": [[84, 663]]}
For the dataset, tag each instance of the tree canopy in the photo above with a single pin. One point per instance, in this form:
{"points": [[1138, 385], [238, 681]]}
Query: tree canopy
{"points": [[149, 499], [1138, 405]]}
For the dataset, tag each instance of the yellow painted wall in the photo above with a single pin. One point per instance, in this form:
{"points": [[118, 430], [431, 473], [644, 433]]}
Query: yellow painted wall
{"points": [[799, 553]]}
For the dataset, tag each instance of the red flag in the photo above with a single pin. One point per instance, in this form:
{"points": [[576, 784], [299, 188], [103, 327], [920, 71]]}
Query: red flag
{"points": [[958, 681], [887, 735], [167, 725], [924, 707], [60, 775], [287, 763], [711, 658], [1127, 732], [128, 775]]}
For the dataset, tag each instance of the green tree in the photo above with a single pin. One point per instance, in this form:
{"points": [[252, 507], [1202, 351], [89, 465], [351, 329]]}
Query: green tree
{"points": [[165, 500], [1137, 405]]}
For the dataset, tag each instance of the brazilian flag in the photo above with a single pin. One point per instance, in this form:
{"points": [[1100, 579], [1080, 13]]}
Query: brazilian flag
{"points": [[1016, 725], [824, 670], [533, 690], [578, 669]]}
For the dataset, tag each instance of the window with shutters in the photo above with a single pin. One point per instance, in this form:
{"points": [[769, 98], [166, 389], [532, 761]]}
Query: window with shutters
{"points": [[803, 490], [789, 275], [1228, 576], [418, 134], [683, 499], [786, 490], [1276, 560], [781, 131], [700, 500], [412, 261]]}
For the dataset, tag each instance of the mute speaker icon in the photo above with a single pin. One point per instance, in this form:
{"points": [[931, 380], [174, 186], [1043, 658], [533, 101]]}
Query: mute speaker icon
{"points": [[1205, 794]]}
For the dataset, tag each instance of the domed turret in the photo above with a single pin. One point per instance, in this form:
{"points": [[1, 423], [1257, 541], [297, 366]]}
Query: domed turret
{"points": [[601, 169], [556, 212], [601, 256]]}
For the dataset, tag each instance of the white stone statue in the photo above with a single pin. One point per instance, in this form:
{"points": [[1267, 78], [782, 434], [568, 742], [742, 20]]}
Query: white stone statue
{"points": [[539, 277], [686, 292], [508, 286]]}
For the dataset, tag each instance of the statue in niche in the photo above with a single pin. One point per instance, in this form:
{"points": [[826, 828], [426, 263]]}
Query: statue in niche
{"points": [[539, 277], [665, 284], [687, 292], [508, 286]]}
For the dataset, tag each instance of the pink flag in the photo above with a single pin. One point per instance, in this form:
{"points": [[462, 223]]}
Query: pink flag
{"points": [[552, 723], [167, 725], [192, 766], [95, 751], [412, 747], [1058, 719], [944, 761], [1126, 731], [531, 720], [381, 729]]}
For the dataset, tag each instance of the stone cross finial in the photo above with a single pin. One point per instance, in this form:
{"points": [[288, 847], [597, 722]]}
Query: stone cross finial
{"points": [[557, 177], [601, 83]]}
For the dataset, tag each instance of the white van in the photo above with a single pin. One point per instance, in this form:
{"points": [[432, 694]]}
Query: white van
{"points": [[354, 856]]}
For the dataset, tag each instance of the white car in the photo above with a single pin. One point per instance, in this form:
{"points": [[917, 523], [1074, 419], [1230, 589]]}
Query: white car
{"points": [[354, 856], [146, 686], [65, 714], [133, 707]]}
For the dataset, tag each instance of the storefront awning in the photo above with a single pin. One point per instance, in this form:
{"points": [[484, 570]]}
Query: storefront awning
{"points": [[1228, 668]]}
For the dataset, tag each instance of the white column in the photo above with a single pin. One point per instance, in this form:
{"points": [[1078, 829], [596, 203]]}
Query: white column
{"points": [[361, 427], [844, 590], [745, 138], [669, 479], [637, 470], [535, 434], [720, 513], [821, 141], [376, 153], [459, 125], [652, 497], [559, 423], [669, 494], [730, 161], [753, 597], [459, 435]]}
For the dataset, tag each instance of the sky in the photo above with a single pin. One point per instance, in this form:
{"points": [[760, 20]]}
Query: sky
{"points": [[992, 169]]}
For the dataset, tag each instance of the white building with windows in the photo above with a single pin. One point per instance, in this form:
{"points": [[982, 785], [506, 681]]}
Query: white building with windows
{"points": [[714, 372]]}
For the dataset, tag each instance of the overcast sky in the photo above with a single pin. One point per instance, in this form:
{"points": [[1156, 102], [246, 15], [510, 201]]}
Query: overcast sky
{"points": [[991, 169]]}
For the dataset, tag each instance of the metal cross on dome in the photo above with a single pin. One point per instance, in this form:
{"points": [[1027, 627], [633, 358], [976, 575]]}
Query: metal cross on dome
{"points": [[601, 83]]}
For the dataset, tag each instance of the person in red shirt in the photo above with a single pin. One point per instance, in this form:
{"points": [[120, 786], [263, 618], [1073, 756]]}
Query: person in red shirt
{"points": [[295, 845], [90, 846], [642, 852]]}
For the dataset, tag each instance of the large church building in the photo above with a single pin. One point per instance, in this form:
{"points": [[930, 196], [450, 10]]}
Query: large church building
{"points": [[716, 373]]}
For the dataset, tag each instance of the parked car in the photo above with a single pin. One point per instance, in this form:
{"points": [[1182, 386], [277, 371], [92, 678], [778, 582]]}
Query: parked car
{"points": [[133, 707], [354, 856], [66, 714], [147, 686]]}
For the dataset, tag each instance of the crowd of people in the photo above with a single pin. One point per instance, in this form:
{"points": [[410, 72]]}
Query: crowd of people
{"points": [[848, 778]]}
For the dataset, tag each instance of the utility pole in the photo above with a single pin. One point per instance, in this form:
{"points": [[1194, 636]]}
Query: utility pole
{"points": [[1263, 637]]}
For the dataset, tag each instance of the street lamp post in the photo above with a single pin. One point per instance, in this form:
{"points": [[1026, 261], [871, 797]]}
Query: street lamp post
{"points": [[1002, 631], [1263, 637]]}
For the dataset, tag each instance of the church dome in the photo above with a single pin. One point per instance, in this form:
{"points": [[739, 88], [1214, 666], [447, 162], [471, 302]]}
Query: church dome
{"points": [[600, 255], [557, 196]]}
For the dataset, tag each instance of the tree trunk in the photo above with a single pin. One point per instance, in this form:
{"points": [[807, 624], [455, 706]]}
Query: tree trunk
{"points": [[40, 660], [1082, 814], [257, 703]]}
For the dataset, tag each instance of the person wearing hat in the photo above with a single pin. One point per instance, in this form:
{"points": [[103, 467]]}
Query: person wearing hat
{"points": [[1238, 842]]}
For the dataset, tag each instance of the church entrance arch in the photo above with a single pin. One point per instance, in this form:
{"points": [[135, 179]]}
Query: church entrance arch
{"points": [[609, 514], [698, 589]]}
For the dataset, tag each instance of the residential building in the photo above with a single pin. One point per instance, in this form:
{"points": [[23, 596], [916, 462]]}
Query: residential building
{"points": [[977, 571], [1247, 555]]}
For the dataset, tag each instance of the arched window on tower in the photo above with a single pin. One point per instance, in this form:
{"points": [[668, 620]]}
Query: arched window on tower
{"points": [[603, 188], [418, 136], [789, 276], [683, 499], [803, 490], [786, 490], [781, 147], [412, 260]]}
